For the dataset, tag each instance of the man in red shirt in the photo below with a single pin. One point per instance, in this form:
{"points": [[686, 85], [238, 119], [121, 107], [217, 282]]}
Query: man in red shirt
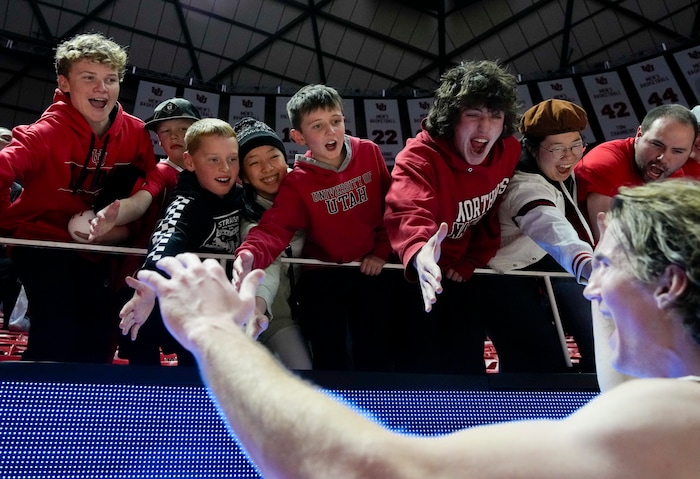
{"points": [[661, 147]]}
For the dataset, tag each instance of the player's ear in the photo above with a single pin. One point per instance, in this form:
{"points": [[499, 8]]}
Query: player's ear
{"points": [[670, 286], [600, 219]]}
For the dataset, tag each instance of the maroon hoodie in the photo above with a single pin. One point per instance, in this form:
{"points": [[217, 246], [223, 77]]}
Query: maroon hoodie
{"points": [[63, 166]]}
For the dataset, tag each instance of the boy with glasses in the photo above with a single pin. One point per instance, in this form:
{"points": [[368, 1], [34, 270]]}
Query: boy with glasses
{"points": [[542, 229]]}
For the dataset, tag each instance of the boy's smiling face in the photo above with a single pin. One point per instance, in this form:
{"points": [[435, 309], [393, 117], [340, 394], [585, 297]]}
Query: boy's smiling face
{"points": [[264, 167], [215, 163], [323, 132], [93, 89]]}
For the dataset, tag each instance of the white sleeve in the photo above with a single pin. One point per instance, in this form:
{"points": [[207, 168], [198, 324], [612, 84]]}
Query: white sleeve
{"points": [[549, 228]]}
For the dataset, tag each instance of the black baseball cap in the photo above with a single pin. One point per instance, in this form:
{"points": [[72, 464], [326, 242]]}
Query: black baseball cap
{"points": [[173, 109]]}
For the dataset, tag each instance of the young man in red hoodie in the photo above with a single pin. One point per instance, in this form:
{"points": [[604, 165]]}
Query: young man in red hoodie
{"points": [[84, 154], [442, 215]]}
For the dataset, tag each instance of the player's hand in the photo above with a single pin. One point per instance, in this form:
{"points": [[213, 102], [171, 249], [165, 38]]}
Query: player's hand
{"points": [[197, 297]]}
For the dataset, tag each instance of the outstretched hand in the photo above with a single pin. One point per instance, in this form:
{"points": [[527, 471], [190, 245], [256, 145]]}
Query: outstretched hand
{"points": [[241, 267], [104, 221], [135, 312], [199, 296], [426, 264]]}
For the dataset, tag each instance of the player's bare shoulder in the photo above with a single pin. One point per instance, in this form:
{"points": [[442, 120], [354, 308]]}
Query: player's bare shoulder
{"points": [[645, 428]]}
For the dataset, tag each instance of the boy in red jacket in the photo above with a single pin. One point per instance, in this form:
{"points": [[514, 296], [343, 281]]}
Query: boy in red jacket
{"points": [[84, 154], [442, 214], [335, 194]]}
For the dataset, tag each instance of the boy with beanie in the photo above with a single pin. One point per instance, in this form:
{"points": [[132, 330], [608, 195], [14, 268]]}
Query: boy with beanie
{"points": [[253, 133], [542, 229], [263, 168], [335, 194]]}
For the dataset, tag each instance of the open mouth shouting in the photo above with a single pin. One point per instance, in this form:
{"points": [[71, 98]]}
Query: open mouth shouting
{"points": [[654, 171], [331, 145], [99, 103], [478, 145]]}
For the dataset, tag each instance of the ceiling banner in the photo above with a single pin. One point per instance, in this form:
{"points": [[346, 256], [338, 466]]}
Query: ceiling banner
{"points": [[349, 113], [242, 106], [148, 97], [525, 97], [418, 109], [689, 62], [283, 127], [611, 105], [655, 83], [384, 127], [206, 102]]}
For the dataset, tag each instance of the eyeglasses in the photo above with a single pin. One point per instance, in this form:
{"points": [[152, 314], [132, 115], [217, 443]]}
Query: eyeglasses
{"points": [[559, 152]]}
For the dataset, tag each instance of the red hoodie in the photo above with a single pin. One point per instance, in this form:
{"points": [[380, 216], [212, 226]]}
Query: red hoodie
{"points": [[340, 210], [431, 184], [63, 165]]}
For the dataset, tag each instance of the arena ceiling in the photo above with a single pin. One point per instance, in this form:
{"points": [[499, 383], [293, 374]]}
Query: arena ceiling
{"points": [[354, 45]]}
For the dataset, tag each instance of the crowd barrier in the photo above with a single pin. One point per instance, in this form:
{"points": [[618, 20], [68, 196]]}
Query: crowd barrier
{"points": [[224, 258]]}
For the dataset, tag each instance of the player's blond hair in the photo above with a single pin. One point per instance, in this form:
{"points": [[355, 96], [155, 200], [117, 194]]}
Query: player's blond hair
{"points": [[660, 226]]}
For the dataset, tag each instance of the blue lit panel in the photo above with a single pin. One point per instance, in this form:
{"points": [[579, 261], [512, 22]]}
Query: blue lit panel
{"points": [[59, 430]]}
